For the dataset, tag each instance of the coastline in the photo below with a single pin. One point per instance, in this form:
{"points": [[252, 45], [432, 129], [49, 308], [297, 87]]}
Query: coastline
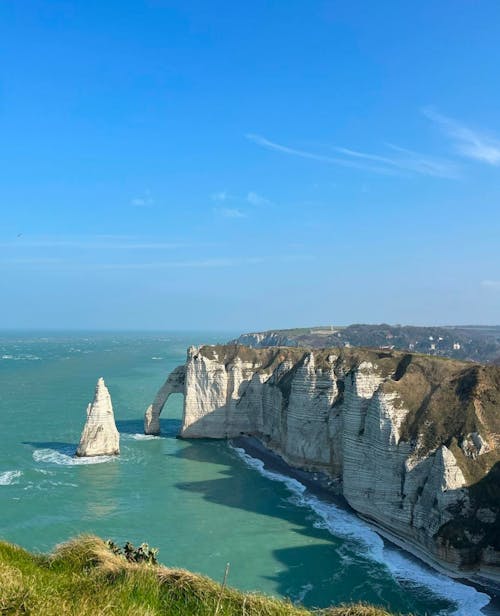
{"points": [[320, 485]]}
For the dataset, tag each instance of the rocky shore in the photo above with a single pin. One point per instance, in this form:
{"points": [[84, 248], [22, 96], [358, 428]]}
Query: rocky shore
{"points": [[320, 485]]}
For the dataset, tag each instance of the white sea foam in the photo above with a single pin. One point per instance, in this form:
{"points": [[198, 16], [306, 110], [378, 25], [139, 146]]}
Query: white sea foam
{"points": [[26, 357], [44, 471], [145, 437], [139, 436], [9, 477], [48, 485], [303, 592], [52, 456], [343, 523]]}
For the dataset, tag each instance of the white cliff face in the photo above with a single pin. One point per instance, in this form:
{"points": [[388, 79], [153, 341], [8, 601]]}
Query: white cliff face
{"points": [[174, 384], [220, 401], [100, 436], [343, 413], [259, 340]]}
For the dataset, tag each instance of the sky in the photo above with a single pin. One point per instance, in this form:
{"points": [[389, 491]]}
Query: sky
{"points": [[191, 165]]}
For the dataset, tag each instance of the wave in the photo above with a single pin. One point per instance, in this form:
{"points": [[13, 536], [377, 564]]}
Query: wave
{"points": [[9, 477], [49, 485], [139, 436], [66, 458], [26, 357], [342, 523]]}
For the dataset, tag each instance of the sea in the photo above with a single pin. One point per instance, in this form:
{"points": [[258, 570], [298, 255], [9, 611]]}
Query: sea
{"points": [[203, 503]]}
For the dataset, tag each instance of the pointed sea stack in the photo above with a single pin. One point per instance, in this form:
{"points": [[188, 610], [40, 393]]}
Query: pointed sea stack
{"points": [[100, 436]]}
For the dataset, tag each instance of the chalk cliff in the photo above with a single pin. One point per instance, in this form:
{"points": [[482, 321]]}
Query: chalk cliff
{"points": [[412, 442], [174, 384], [100, 436]]}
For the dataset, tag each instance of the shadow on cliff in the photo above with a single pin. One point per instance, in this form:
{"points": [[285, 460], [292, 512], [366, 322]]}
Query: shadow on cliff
{"points": [[470, 533], [320, 568]]}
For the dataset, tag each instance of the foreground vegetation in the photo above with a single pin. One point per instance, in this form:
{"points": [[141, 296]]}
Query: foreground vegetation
{"points": [[85, 577]]}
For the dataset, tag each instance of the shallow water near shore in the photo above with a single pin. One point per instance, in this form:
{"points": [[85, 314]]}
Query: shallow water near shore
{"points": [[201, 502]]}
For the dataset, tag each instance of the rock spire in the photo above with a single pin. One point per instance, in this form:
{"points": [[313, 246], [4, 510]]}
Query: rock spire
{"points": [[100, 436]]}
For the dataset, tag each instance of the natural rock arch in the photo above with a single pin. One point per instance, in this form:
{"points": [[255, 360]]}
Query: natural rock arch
{"points": [[173, 385]]}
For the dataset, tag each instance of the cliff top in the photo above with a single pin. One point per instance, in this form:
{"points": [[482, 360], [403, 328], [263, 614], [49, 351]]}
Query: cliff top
{"points": [[449, 402], [85, 577], [474, 343]]}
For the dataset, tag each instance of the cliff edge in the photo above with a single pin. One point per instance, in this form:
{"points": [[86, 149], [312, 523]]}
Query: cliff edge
{"points": [[411, 441]]}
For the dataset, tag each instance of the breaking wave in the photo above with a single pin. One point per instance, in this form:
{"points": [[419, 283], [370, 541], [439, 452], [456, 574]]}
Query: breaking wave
{"points": [[25, 357], [342, 523], [66, 457], [9, 477]]}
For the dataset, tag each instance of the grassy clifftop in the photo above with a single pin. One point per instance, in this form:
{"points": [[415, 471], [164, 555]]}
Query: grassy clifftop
{"points": [[85, 577]]}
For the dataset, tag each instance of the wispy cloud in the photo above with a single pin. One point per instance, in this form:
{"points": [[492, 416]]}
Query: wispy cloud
{"points": [[104, 242], [230, 212], [221, 195], [236, 206], [278, 147], [406, 162], [491, 284], [191, 263], [33, 261], [467, 142], [217, 262], [255, 199], [143, 201]]}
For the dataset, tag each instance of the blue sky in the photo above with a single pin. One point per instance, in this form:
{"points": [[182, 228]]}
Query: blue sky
{"points": [[229, 165]]}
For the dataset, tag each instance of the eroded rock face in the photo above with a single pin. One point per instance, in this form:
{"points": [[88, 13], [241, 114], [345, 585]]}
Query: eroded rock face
{"points": [[174, 384], [410, 441], [100, 436]]}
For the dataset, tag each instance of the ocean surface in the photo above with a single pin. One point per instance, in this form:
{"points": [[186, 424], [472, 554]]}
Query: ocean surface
{"points": [[203, 503]]}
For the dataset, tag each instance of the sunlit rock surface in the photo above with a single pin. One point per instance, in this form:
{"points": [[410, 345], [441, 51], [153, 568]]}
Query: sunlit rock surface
{"points": [[100, 436], [412, 442]]}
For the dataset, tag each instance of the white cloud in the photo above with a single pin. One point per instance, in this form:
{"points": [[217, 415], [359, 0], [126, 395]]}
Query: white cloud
{"points": [[407, 162], [230, 212], [144, 201], [468, 142], [219, 196], [271, 145], [255, 199]]}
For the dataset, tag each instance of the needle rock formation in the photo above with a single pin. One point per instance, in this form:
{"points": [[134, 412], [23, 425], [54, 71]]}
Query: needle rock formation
{"points": [[100, 436]]}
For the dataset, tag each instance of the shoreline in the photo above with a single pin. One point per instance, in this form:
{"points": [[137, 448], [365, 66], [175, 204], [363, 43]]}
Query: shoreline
{"points": [[320, 485]]}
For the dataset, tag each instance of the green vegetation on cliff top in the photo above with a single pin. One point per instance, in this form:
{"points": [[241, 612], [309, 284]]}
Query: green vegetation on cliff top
{"points": [[85, 577]]}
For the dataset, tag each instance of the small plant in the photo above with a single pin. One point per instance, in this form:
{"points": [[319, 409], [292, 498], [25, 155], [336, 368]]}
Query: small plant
{"points": [[141, 554]]}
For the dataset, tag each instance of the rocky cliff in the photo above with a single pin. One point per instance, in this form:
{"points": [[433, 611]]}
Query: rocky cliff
{"points": [[100, 436], [412, 442]]}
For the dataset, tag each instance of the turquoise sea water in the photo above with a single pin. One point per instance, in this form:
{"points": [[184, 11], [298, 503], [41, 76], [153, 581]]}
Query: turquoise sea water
{"points": [[201, 502]]}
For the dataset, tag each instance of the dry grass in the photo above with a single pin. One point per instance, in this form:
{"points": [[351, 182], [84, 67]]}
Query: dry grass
{"points": [[84, 578]]}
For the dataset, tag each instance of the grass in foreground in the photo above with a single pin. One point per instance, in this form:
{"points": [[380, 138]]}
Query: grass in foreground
{"points": [[83, 577]]}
